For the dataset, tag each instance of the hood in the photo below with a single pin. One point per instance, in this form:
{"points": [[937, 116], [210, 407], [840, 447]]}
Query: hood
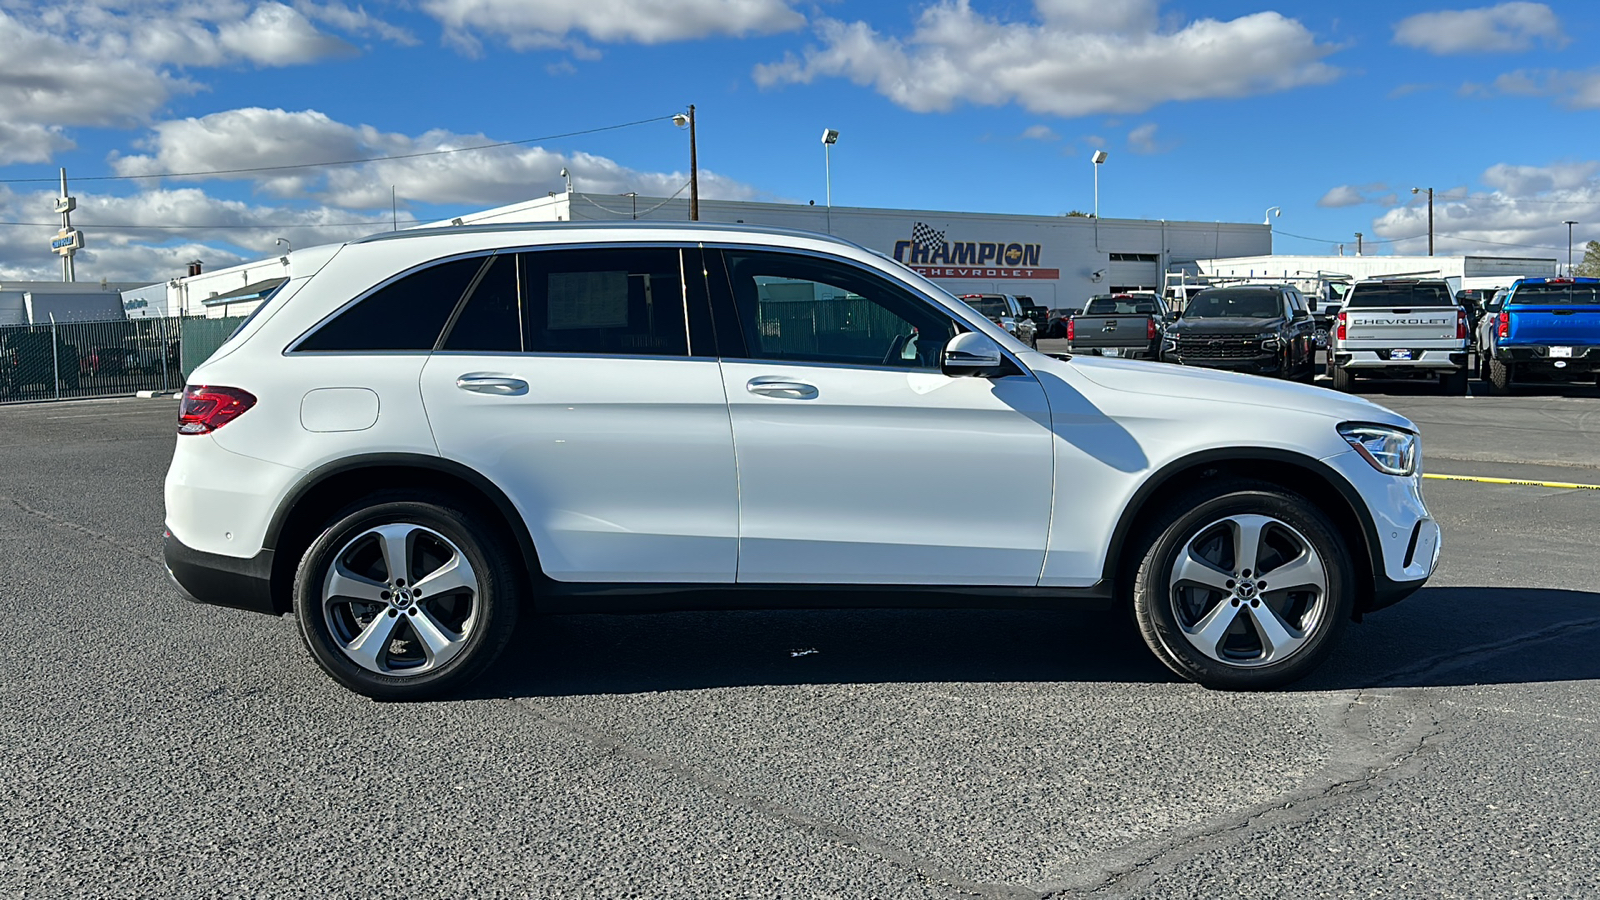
{"points": [[1188, 383], [1224, 325]]}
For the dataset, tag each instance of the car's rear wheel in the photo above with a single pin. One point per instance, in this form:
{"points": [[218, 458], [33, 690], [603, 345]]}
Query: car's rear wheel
{"points": [[1343, 379], [406, 597], [1242, 586], [1501, 376]]}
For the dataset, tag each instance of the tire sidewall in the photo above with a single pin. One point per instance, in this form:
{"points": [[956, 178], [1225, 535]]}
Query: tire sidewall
{"points": [[496, 601], [1159, 624]]}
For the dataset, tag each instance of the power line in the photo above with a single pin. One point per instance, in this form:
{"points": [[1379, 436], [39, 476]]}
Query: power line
{"points": [[341, 162]]}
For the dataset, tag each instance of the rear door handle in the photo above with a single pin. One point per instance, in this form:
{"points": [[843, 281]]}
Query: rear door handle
{"points": [[484, 383], [781, 387]]}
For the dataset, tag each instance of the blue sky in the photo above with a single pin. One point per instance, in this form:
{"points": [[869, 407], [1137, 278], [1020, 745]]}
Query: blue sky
{"points": [[1210, 110]]}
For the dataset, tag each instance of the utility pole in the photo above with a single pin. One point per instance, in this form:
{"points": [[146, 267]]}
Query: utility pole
{"points": [[681, 120], [1430, 215], [1569, 223]]}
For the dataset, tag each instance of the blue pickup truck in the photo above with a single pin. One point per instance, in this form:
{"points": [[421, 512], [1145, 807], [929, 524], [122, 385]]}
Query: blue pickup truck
{"points": [[1540, 329]]}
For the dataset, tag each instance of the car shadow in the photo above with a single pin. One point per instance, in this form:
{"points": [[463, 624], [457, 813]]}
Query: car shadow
{"points": [[1439, 637]]}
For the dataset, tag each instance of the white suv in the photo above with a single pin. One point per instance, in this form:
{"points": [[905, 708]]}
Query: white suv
{"points": [[427, 434]]}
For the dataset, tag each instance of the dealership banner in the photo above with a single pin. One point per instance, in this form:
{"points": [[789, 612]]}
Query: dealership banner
{"points": [[930, 254]]}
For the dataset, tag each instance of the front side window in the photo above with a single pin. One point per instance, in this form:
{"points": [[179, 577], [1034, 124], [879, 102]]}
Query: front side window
{"points": [[804, 309], [624, 301], [406, 314]]}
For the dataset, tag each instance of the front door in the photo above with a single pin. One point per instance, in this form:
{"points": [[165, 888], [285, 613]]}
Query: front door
{"points": [[570, 380], [859, 461]]}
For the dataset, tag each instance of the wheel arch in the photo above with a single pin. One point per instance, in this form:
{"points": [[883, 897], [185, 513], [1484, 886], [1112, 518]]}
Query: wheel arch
{"points": [[1304, 475], [325, 489]]}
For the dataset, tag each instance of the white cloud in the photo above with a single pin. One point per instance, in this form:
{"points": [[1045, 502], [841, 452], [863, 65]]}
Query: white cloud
{"points": [[29, 143], [530, 24], [1143, 139], [1040, 133], [50, 81], [356, 21], [277, 35], [1357, 194], [1520, 215], [1577, 90], [1506, 28], [955, 55]]}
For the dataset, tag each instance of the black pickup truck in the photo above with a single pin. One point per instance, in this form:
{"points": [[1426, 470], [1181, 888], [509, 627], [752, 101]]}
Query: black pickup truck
{"points": [[1261, 329]]}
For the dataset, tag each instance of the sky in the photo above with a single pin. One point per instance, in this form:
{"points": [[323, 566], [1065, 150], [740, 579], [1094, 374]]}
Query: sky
{"points": [[203, 128]]}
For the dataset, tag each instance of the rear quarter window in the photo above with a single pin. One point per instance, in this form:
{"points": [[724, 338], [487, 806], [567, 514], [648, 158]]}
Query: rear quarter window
{"points": [[406, 314], [1578, 294], [1379, 295]]}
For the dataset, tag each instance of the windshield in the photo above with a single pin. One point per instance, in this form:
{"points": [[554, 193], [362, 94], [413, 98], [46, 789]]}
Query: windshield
{"points": [[1571, 293], [1400, 293], [1233, 303], [992, 307]]}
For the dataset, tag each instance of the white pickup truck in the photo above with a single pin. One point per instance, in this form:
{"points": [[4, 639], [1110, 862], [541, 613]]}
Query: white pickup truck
{"points": [[1400, 328]]}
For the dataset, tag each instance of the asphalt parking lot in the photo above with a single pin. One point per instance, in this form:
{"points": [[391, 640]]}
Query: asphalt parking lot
{"points": [[153, 748]]}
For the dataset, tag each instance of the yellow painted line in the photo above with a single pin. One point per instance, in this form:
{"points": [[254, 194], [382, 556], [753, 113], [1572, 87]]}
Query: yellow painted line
{"points": [[1520, 481]]}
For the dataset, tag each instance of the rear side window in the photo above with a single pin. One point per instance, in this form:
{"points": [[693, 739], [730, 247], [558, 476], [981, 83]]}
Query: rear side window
{"points": [[406, 314], [1399, 294], [625, 301], [1574, 293]]}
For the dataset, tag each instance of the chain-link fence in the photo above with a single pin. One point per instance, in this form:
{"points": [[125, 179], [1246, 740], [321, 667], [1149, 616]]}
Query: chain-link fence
{"points": [[70, 360]]}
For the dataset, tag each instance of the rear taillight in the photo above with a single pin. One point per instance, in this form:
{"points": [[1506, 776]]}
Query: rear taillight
{"points": [[206, 408], [1072, 329], [1505, 324], [1461, 324], [1150, 330], [1340, 333]]}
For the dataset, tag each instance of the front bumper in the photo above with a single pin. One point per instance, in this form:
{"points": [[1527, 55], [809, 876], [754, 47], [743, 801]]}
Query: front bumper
{"points": [[1256, 365], [221, 580], [1405, 539]]}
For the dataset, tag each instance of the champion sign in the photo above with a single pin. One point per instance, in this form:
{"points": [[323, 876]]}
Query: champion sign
{"points": [[929, 254]]}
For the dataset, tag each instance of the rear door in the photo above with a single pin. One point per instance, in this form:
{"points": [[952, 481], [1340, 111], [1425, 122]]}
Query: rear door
{"points": [[860, 462], [584, 382]]}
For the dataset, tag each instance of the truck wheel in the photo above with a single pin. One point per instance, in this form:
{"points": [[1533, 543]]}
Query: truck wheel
{"points": [[1242, 585], [1501, 375], [1343, 379], [406, 596], [1454, 384]]}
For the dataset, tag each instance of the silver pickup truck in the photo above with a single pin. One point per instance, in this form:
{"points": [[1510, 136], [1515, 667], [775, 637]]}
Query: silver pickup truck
{"points": [[1400, 328]]}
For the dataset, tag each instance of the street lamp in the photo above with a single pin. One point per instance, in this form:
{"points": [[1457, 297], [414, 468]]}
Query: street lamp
{"points": [[829, 138], [568, 176], [634, 195], [681, 120], [1569, 223], [1098, 158], [1430, 216], [1266, 217]]}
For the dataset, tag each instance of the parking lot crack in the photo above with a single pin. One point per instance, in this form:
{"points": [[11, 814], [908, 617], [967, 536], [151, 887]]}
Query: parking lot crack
{"points": [[721, 788], [58, 522]]}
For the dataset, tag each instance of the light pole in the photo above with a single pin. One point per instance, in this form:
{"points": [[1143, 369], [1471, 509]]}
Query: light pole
{"points": [[1569, 223], [681, 120], [1272, 211], [1098, 159], [829, 138], [634, 195], [1430, 215], [568, 176]]}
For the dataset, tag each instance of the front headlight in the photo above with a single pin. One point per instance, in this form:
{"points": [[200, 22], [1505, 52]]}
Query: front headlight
{"points": [[1269, 341], [1009, 326], [1389, 450]]}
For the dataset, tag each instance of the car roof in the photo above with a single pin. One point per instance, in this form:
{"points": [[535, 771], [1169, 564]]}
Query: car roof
{"points": [[547, 227]]}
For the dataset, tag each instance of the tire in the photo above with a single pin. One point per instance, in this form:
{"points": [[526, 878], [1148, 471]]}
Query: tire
{"points": [[1454, 384], [1501, 376], [435, 643], [1213, 624], [1343, 379]]}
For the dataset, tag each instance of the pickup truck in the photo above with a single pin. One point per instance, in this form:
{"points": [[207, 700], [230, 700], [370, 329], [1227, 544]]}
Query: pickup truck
{"points": [[1119, 325], [1400, 328], [1540, 328], [1004, 310]]}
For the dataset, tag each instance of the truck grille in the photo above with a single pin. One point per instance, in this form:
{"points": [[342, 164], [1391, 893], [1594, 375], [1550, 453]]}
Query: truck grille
{"points": [[1219, 346]]}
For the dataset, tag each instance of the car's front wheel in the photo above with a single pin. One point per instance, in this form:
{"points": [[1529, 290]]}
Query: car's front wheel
{"points": [[1242, 586], [406, 597]]}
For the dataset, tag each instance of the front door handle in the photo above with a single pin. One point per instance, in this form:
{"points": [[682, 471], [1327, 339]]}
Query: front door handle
{"points": [[484, 383], [781, 387]]}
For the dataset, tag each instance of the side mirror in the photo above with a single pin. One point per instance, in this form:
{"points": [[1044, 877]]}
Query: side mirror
{"points": [[971, 353]]}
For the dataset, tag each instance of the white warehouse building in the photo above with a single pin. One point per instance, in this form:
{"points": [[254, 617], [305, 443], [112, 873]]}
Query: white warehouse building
{"points": [[1055, 260]]}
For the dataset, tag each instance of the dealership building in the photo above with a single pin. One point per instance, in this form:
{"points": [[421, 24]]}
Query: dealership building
{"points": [[1056, 260]]}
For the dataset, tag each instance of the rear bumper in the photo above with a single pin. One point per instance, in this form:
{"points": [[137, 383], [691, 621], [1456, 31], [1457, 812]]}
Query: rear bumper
{"points": [[221, 580], [1431, 360]]}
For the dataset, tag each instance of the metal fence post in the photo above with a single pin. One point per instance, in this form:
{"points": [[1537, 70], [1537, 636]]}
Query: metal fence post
{"points": [[55, 355]]}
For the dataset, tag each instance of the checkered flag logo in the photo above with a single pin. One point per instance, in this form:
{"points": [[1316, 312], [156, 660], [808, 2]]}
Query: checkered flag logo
{"points": [[926, 237]]}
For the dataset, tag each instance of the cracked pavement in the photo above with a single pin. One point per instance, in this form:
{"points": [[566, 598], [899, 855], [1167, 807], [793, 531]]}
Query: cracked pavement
{"points": [[150, 747]]}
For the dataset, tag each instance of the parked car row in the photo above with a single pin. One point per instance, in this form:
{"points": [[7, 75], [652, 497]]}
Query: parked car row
{"points": [[1545, 329]]}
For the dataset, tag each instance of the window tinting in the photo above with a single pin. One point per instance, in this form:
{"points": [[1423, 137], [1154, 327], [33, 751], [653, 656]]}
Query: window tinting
{"points": [[805, 309], [622, 301], [1399, 293], [407, 314], [1578, 293], [492, 319], [1234, 303]]}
